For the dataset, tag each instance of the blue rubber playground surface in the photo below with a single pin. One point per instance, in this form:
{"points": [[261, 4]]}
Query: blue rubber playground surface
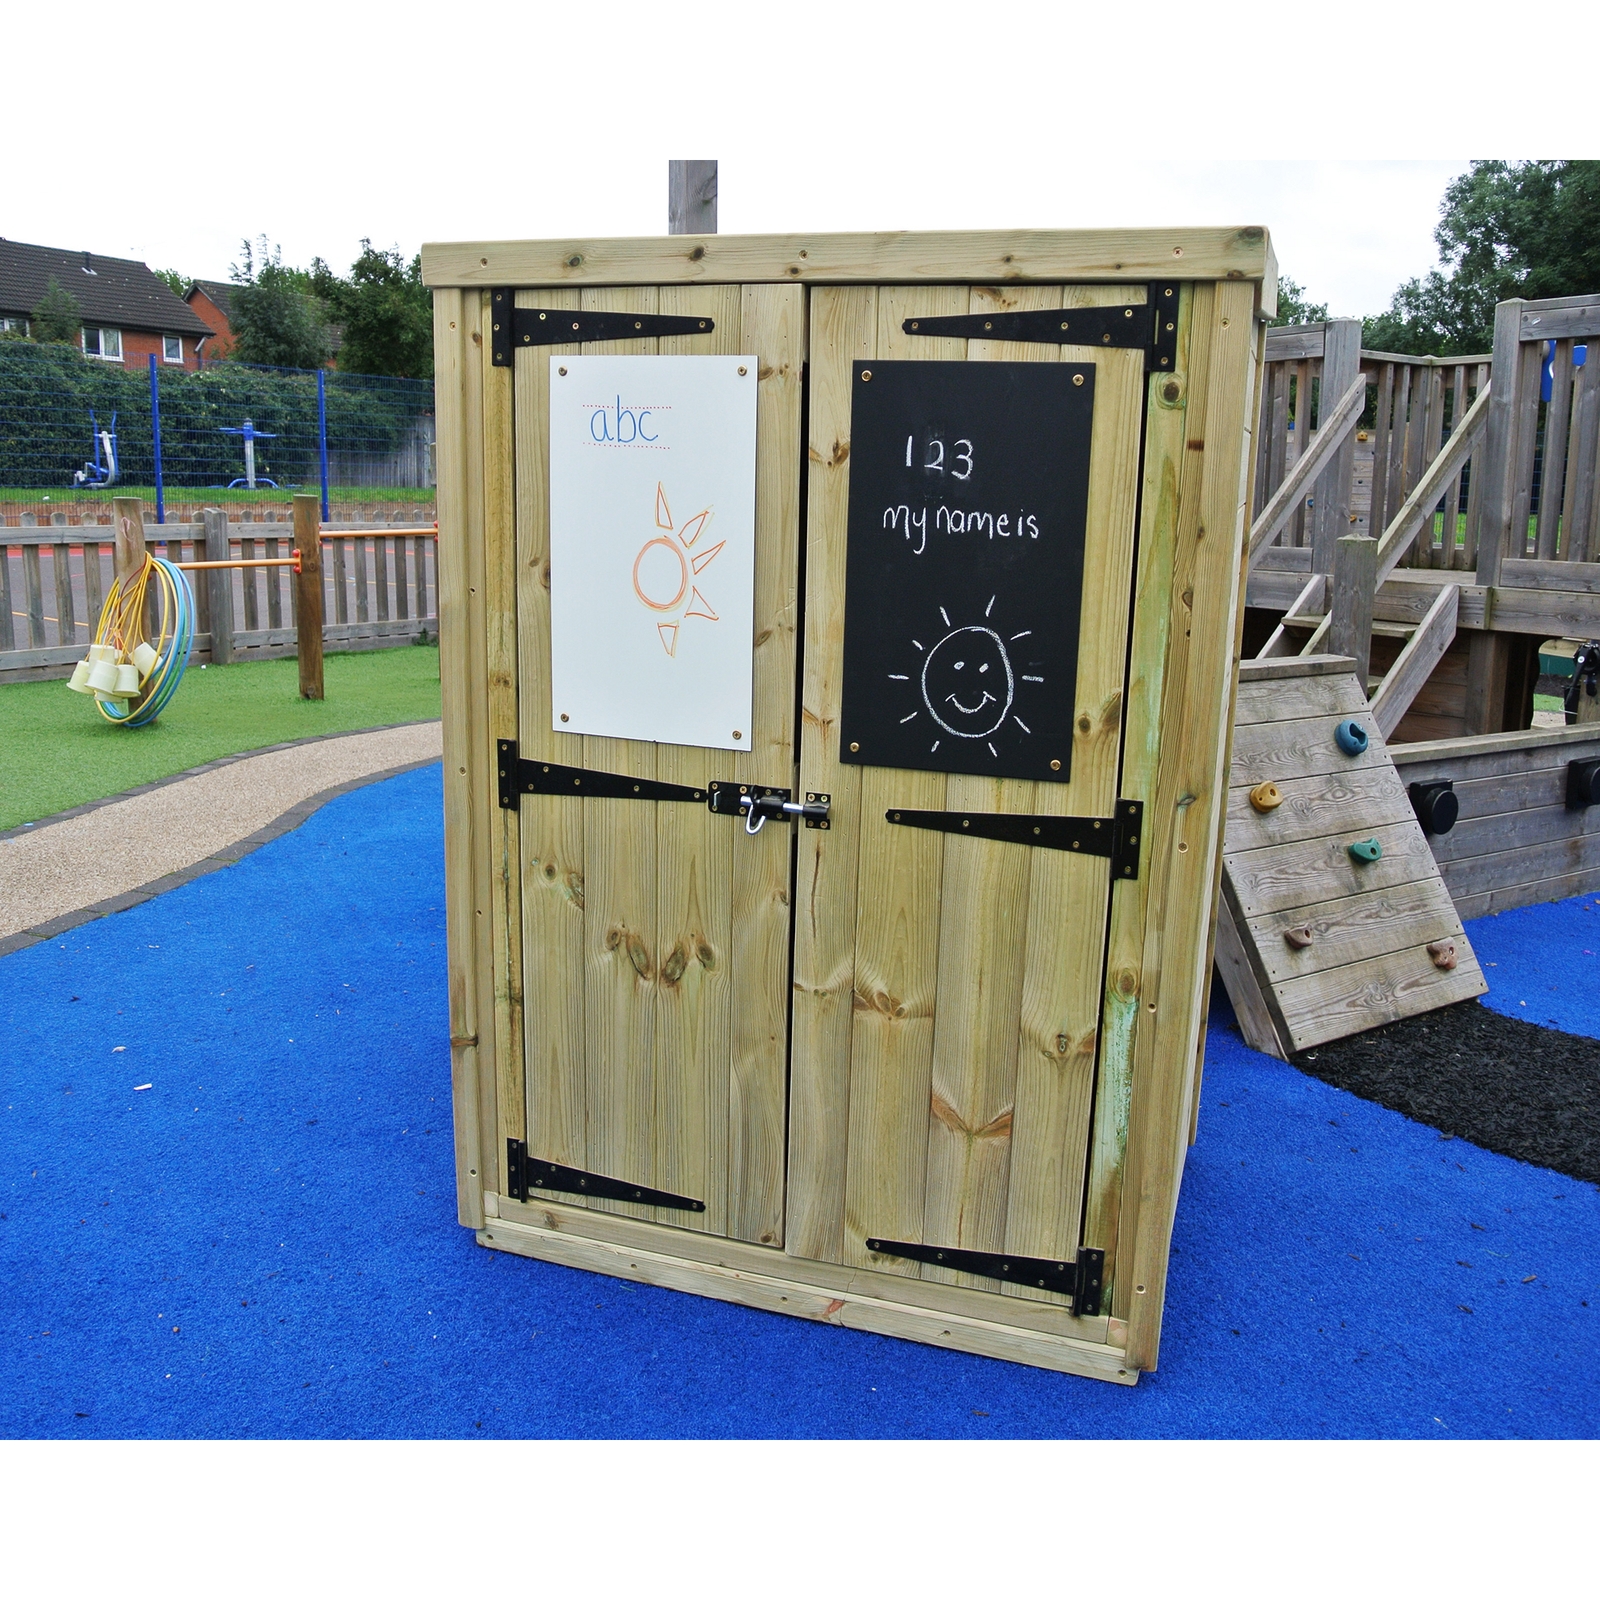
{"points": [[263, 1243]]}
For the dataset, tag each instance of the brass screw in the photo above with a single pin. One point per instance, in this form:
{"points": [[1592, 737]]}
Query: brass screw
{"points": [[743, 371], [562, 371], [737, 734], [866, 377], [1077, 378], [854, 748], [1055, 766], [1063, 327], [1128, 313], [564, 716]]}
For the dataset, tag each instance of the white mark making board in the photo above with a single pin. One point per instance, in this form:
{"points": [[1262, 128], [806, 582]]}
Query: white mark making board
{"points": [[652, 543]]}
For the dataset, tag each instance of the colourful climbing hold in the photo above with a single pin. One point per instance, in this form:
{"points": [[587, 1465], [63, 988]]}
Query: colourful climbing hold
{"points": [[1351, 737], [1266, 797], [1298, 938], [1365, 850]]}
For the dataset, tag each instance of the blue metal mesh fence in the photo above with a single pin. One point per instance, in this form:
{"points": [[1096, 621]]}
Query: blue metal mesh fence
{"points": [[69, 423]]}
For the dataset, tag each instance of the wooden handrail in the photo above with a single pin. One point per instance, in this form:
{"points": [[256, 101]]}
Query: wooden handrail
{"points": [[1421, 501], [1291, 491]]}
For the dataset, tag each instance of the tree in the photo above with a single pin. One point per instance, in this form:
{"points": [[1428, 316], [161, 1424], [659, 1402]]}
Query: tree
{"points": [[384, 310], [1507, 229], [277, 319], [177, 282], [1294, 307], [56, 319]]}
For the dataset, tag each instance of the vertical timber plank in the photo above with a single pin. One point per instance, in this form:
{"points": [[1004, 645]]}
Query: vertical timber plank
{"points": [[553, 915], [468, 1056], [843, 329], [1182, 826], [983, 900], [620, 901], [773, 320], [695, 995], [504, 831], [896, 934], [1065, 979]]}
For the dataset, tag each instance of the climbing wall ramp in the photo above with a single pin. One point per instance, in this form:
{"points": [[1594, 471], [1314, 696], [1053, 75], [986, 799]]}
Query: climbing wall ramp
{"points": [[1334, 917]]}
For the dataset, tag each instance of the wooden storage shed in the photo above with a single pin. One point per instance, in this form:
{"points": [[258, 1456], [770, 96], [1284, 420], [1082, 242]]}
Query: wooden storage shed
{"points": [[921, 1053]]}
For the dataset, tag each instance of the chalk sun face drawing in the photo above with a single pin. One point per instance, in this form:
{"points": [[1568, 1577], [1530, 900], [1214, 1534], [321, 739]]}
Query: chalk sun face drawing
{"points": [[968, 682], [665, 569]]}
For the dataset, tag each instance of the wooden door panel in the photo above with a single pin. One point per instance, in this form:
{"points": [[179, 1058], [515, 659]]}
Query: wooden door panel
{"points": [[964, 1123], [656, 935]]}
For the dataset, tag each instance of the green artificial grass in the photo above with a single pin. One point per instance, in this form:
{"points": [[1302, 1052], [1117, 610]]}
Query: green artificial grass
{"points": [[60, 752]]}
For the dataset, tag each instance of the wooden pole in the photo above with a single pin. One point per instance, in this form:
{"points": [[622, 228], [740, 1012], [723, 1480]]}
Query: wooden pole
{"points": [[219, 587], [691, 197], [1341, 366], [1355, 566], [308, 593], [129, 554]]}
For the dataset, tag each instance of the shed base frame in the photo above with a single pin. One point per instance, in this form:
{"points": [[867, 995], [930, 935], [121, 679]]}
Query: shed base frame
{"points": [[768, 1280]]}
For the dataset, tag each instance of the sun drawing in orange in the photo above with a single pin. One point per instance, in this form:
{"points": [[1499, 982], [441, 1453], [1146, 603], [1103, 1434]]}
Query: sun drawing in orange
{"points": [[665, 569]]}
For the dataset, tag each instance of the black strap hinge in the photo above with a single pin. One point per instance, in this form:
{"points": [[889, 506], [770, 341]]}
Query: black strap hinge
{"points": [[1152, 327], [756, 803], [527, 1176], [1115, 836], [1081, 1279], [513, 327]]}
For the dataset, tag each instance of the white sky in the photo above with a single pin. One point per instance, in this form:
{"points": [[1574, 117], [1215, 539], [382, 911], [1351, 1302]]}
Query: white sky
{"points": [[318, 123]]}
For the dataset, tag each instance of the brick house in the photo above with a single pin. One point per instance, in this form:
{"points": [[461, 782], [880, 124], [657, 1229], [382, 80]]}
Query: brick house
{"points": [[128, 313], [212, 302]]}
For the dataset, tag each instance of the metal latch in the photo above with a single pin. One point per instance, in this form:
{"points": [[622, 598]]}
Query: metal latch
{"points": [[757, 803], [1081, 1279]]}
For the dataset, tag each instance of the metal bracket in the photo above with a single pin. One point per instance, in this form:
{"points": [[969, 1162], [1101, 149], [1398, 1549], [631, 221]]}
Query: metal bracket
{"points": [[525, 1173], [515, 327], [1152, 327], [519, 777], [757, 803], [1082, 1279], [1115, 836]]}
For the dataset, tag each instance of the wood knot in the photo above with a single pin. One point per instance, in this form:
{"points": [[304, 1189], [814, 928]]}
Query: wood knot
{"points": [[1443, 952], [1298, 938], [704, 954], [1266, 797], [698, 253], [673, 967], [640, 957]]}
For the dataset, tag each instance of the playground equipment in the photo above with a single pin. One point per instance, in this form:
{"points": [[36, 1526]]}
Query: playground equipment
{"points": [[250, 433], [131, 679], [944, 1092], [95, 474]]}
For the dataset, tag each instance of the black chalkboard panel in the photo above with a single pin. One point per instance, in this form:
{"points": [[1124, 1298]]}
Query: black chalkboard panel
{"points": [[969, 491]]}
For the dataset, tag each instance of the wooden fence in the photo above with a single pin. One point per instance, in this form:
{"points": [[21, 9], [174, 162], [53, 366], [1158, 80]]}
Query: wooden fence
{"points": [[380, 589], [1412, 408]]}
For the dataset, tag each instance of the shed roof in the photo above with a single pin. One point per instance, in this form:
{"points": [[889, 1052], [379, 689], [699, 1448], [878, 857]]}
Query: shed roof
{"points": [[108, 289]]}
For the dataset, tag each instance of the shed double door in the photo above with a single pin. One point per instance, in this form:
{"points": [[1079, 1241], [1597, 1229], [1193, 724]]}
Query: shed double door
{"points": [[905, 1020]]}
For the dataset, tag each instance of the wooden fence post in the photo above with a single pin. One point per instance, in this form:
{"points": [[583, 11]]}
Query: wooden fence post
{"points": [[308, 593], [1355, 571], [129, 555], [219, 587], [691, 197], [1341, 365]]}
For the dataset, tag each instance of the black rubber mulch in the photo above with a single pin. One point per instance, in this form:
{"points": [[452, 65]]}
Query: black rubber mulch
{"points": [[1507, 1085]]}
